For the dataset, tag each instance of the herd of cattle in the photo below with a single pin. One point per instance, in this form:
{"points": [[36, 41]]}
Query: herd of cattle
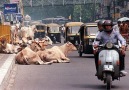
{"points": [[34, 51]]}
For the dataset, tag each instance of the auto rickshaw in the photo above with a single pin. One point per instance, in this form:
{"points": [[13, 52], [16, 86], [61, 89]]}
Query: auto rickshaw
{"points": [[53, 31], [71, 32], [87, 34], [40, 30]]}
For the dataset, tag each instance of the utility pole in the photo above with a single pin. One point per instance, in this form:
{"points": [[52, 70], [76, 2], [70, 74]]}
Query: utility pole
{"points": [[21, 7], [114, 5], [80, 13], [108, 4], [94, 11]]}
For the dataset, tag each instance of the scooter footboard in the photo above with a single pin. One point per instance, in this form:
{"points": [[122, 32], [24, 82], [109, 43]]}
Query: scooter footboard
{"points": [[100, 72]]}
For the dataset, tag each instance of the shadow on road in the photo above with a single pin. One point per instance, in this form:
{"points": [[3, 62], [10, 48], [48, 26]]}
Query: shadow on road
{"points": [[94, 87], [81, 57]]}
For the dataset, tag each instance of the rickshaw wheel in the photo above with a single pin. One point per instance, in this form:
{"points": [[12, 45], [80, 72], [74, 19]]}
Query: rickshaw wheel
{"points": [[64, 41], [80, 54], [54, 42]]}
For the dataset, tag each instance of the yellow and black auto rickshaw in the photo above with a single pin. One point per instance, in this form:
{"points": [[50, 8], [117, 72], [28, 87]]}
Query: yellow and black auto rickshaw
{"points": [[54, 32], [87, 34], [71, 32], [40, 30]]}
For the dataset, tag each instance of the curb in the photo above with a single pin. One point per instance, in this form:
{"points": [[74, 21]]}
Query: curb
{"points": [[5, 70]]}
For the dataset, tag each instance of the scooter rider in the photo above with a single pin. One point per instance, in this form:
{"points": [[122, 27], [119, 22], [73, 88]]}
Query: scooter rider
{"points": [[100, 25], [109, 34], [100, 29]]}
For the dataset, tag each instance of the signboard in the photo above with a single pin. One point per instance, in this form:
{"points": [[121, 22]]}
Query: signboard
{"points": [[14, 1], [10, 8]]}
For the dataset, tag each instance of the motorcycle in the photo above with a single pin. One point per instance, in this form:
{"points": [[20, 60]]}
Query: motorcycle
{"points": [[108, 63]]}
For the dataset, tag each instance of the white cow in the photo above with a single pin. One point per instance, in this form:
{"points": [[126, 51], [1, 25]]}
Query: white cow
{"points": [[27, 56], [58, 53], [48, 39], [10, 48], [28, 32]]}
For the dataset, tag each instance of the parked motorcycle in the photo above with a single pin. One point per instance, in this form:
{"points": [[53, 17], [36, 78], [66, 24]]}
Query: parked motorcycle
{"points": [[108, 64]]}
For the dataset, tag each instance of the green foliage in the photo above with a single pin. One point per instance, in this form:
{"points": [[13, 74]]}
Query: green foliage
{"points": [[48, 11], [85, 11], [77, 12]]}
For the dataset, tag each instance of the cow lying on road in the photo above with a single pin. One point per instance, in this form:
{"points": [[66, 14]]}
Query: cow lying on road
{"points": [[8, 48], [57, 53], [27, 56]]}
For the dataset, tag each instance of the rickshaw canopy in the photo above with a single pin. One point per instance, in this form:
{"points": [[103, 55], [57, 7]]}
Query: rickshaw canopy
{"points": [[90, 29], [53, 28], [73, 24], [41, 27], [35, 23], [53, 25], [40, 24], [89, 24]]}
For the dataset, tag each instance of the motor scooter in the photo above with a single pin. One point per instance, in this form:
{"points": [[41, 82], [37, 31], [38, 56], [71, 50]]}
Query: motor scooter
{"points": [[108, 64]]}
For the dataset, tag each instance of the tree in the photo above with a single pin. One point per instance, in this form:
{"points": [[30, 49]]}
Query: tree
{"points": [[77, 12]]}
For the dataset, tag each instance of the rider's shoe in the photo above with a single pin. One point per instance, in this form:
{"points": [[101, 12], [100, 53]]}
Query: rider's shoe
{"points": [[123, 73]]}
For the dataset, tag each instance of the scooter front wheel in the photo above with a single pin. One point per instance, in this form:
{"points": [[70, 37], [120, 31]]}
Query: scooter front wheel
{"points": [[108, 81]]}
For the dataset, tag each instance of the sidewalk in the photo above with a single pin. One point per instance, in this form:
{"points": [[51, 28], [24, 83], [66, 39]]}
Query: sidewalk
{"points": [[6, 64]]}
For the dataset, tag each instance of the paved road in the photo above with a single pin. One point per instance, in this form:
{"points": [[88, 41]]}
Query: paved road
{"points": [[76, 75]]}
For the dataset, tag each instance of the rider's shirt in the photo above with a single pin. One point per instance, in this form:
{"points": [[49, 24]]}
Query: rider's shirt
{"points": [[104, 37], [116, 27], [96, 36]]}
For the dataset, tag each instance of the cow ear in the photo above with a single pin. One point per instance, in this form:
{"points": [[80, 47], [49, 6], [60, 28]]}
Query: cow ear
{"points": [[67, 42]]}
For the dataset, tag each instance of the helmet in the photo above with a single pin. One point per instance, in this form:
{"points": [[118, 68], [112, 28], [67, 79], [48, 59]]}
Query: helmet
{"points": [[107, 23], [100, 22]]}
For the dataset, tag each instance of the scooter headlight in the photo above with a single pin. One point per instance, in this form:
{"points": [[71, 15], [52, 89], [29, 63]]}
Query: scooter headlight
{"points": [[109, 45]]}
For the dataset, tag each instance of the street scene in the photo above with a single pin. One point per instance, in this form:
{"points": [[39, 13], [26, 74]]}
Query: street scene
{"points": [[64, 44], [79, 74]]}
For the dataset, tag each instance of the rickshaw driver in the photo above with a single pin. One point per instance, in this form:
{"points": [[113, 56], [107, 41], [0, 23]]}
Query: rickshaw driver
{"points": [[109, 34]]}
